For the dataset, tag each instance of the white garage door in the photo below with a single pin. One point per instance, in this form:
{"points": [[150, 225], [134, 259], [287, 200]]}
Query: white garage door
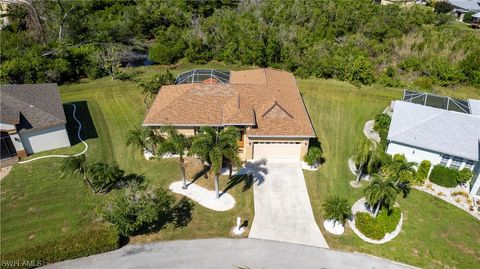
{"points": [[276, 150]]}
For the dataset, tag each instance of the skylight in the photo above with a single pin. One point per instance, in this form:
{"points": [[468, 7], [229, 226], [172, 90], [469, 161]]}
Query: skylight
{"points": [[433, 100]]}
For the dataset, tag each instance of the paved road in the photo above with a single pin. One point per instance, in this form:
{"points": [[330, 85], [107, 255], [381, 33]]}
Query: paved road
{"points": [[226, 253], [282, 207]]}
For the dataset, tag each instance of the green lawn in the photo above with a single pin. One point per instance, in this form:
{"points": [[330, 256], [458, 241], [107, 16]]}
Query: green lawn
{"points": [[435, 234], [37, 205]]}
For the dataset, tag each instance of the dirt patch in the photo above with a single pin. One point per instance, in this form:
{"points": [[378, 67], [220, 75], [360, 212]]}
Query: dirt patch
{"points": [[30, 237]]}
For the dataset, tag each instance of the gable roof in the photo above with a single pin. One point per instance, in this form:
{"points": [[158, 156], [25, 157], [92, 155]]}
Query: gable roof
{"points": [[257, 97], [31, 106], [439, 130], [467, 5]]}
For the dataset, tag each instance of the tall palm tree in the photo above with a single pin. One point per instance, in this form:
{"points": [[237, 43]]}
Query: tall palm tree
{"points": [[366, 157], [143, 138], [381, 192], [105, 175], [337, 209], [177, 144], [77, 166], [214, 147]]}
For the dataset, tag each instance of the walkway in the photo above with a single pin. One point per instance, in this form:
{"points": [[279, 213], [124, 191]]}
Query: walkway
{"points": [[226, 253], [282, 207]]}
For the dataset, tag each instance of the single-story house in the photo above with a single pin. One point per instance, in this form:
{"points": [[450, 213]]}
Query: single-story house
{"points": [[265, 104], [461, 7], [439, 129], [32, 120]]}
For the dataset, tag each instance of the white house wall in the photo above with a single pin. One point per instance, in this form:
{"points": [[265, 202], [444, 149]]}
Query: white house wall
{"points": [[17, 142], [414, 154], [45, 139]]}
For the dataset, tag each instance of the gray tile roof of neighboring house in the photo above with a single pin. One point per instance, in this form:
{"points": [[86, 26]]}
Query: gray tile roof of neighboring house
{"points": [[474, 106], [31, 106], [467, 5], [439, 130], [476, 15]]}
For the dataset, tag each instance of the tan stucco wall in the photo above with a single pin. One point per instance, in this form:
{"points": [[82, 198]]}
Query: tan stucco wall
{"points": [[249, 145], [188, 131]]}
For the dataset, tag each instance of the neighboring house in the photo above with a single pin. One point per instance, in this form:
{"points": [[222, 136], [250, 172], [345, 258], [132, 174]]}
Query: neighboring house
{"points": [[461, 7], [32, 120], [265, 104], [440, 129], [398, 2]]}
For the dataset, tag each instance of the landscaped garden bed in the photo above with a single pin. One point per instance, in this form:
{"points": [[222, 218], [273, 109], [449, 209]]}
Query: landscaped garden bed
{"points": [[377, 228]]}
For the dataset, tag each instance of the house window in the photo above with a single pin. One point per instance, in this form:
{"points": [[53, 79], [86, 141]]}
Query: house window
{"points": [[444, 160], [456, 163], [469, 164]]}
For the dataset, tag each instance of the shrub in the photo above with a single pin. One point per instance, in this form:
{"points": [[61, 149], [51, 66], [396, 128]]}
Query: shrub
{"points": [[382, 125], [464, 175], [127, 75], [314, 156], [443, 7], [376, 228], [444, 176], [84, 243], [411, 63], [424, 83], [422, 173], [139, 211]]}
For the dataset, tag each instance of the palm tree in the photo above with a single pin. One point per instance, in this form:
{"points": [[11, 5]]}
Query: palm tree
{"points": [[143, 138], [105, 175], [381, 192], [402, 170], [77, 166], [177, 144], [337, 209], [366, 157], [214, 147]]}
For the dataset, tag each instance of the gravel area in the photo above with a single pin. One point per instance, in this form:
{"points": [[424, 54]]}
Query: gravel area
{"points": [[370, 133], [204, 196], [446, 195]]}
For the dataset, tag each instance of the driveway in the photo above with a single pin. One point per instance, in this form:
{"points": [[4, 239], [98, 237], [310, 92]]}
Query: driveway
{"points": [[282, 207], [226, 253]]}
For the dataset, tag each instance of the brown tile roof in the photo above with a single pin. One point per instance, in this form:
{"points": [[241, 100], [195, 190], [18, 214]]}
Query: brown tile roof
{"points": [[31, 106], [266, 98]]}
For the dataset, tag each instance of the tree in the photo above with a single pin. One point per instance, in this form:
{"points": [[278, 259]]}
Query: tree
{"points": [[366, 157], [403, 171], [381, 192], [216, 147], [143, 138], [337, 209], [177, 144], [109, 58], [77, 166], [105, 176], [150, 88], [443, 7], [139, 211]]}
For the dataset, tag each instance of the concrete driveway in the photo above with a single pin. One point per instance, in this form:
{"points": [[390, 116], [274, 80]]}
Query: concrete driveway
{"points": [[224, 254], [282, 207]]}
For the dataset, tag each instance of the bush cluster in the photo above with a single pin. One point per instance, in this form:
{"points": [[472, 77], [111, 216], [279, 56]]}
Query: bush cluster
{"points": [[376, 228], [314, 156], [382, 125], [83, 243], [422, 173], [448, 177]]}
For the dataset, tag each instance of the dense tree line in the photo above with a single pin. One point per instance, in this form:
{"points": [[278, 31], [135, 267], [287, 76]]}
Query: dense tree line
{"points": [[349, 40]]}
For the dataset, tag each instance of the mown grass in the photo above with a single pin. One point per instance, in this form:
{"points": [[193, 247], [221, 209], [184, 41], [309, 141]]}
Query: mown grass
{"points": [[37, 205], [434, 234]]}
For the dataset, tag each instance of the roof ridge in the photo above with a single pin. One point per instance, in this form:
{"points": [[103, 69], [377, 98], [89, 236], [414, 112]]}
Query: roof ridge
{"points": [[418, 123], [27, 105], [275, 103]]}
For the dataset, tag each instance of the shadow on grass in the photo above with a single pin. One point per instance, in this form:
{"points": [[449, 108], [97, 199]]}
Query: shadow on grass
{"points": [[251, 173], [314, 142], [199, 174], [182, 212], [83, 115]]}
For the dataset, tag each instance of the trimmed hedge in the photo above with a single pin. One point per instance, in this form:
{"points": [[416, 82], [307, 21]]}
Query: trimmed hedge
{"points": [[444, 176], [84, 243], [376, 228], [422, 173]]}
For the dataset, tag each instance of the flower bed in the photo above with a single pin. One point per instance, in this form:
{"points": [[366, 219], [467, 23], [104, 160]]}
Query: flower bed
{"points": [[376, 228]]}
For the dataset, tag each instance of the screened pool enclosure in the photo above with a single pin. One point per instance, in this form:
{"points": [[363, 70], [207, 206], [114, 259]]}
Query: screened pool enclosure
{"points": [[203, 75], [433, 100]]}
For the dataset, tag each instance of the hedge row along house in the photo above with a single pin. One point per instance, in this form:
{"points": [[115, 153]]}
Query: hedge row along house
{"points": [[265, 104], [32, 120], [439, 129]]}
